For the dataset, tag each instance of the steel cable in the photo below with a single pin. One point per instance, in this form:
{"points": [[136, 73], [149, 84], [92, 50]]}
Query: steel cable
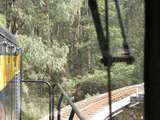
{"points": [[125, 44], [109, 60]]}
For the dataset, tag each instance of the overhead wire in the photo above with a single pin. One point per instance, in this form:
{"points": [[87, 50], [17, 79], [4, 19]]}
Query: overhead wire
{"points": [[123, 33], [109, 59], [103, 41]]}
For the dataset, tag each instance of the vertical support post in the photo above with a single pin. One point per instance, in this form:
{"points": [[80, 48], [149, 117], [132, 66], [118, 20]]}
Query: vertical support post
{"points": [[21, 77], [51, 95], [71, 103]]}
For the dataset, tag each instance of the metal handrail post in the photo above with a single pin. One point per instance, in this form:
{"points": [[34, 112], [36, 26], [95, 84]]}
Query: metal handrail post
{"points": [[71, 103], [50, 91]]}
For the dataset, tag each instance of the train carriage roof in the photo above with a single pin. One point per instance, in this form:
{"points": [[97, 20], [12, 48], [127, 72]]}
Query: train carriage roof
{"points": [[6, 35]]}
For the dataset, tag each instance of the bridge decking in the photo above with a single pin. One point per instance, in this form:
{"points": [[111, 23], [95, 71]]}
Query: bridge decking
{"points": [[90, 108], [96, 107]]}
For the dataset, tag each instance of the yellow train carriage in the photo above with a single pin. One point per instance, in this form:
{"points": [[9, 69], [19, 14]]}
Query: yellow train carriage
{"points": [[10, 60], [9, 67]]}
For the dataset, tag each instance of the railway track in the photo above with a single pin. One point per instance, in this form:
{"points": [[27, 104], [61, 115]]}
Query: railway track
{"points": [[91, 106]]}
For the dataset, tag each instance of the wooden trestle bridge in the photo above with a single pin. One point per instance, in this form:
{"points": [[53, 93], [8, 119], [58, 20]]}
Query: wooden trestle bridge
{"points": [[96, 108]]}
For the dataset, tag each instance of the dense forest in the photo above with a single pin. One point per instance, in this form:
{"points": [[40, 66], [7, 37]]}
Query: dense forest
{"points": [[60, 44]]}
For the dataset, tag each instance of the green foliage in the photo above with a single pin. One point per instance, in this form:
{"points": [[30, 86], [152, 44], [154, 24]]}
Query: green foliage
{"points": [[122, 75], [33, 107], [59, 42], [39, 58], [63, 10], [2, 20]]}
